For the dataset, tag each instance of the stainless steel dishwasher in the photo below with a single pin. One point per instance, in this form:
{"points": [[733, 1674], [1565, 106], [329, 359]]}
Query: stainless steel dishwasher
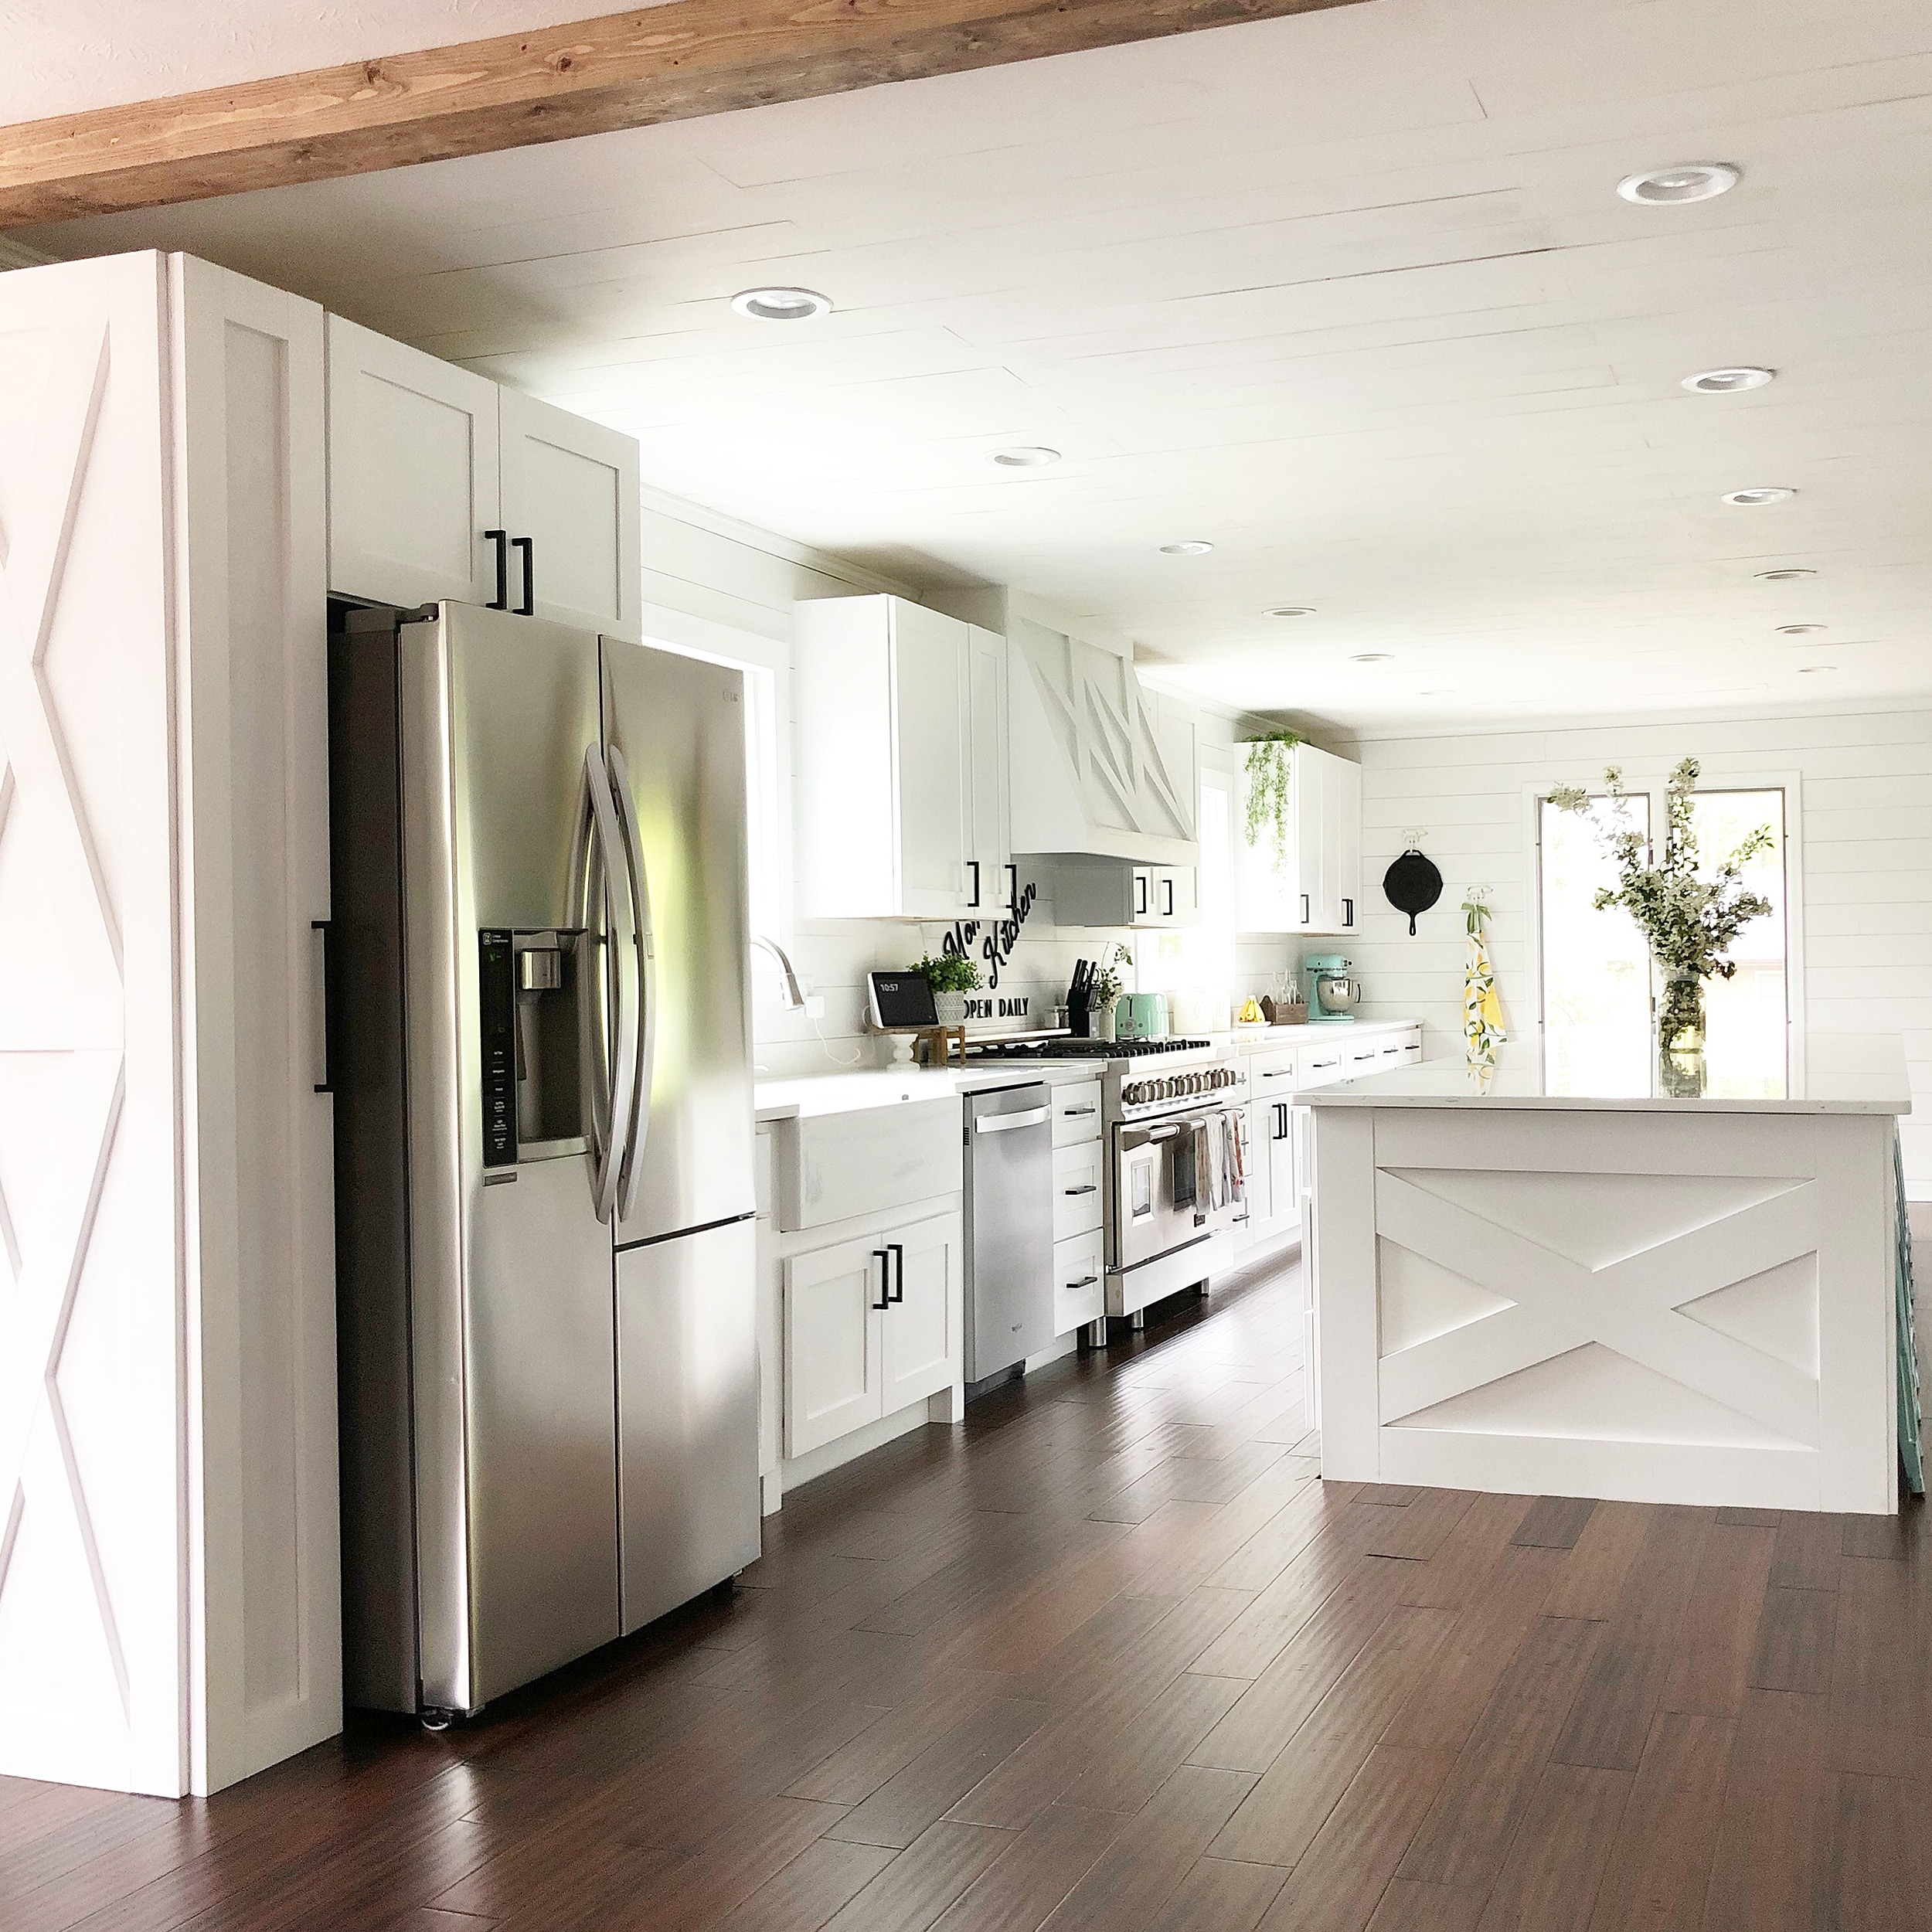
{"points": [[1009, 1228]]}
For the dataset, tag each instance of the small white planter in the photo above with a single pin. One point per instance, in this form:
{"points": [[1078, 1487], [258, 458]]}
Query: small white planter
{"points": [[950, 1009]]}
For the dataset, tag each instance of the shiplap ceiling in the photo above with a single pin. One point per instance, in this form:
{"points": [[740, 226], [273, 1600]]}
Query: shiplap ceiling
{"points": [[1351, 295]]}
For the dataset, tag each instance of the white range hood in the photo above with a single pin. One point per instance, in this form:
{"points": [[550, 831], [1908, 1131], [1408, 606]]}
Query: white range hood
{"points": [[1092, 771]]}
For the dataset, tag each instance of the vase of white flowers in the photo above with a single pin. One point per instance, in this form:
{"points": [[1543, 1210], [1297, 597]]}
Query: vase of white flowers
{"points": [[1689, 917]]}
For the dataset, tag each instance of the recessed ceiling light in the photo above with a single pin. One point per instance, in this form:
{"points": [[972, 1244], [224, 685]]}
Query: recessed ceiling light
{"points": [[1194, 546], [781, 304], [1289, 610], [1029, 456], [1688, 181], [1371, 657], [1799, 630], [1728, 382], [1813, 670], [1757, 499], [1787, 574]]}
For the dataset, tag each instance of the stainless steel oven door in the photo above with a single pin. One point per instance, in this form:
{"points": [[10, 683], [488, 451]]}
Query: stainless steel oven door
{"points": [[1154, 1208]]}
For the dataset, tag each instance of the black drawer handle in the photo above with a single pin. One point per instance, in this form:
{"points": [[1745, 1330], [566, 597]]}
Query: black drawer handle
{"points": [[1089, 1188], [1085, 1281], [885, 1300], [897, 1251], [502, 539]]}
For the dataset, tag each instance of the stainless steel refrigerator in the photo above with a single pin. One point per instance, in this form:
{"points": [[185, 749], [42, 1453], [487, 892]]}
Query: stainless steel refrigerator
{"points": [[540, 1046]]}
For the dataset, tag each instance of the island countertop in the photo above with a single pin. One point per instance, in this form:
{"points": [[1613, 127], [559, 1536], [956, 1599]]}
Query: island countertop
{"points": [[1837, 1073]]}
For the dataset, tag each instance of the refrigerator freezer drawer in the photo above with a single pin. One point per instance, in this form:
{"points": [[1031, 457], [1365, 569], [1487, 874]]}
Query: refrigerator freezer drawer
{"points": [[687, 1416]]}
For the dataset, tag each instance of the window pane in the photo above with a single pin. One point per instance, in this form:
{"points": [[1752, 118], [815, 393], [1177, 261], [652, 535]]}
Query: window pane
{"points": [[1596, 967], [1745, 1043]]}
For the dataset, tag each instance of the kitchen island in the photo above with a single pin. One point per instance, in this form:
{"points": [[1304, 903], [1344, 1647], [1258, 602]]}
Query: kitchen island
{"points": [[1691, 1301]]}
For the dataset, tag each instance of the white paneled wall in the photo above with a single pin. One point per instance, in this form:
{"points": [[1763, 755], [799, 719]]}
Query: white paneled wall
{"points": [[1865, 808], [719, 587]]}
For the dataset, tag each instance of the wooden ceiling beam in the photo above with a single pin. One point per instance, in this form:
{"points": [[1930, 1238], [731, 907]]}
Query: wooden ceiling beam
{"points": [[666, 63]]}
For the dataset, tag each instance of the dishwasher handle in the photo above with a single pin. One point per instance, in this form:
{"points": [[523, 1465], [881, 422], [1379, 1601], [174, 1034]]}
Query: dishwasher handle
{"points": [[1005, 1123]]}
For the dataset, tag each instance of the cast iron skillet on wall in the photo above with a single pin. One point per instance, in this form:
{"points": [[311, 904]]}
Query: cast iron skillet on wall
{"points": [[1413, 886]]}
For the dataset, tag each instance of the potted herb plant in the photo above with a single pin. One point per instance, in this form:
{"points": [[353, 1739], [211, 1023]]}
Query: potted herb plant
{"points": [[1688, 917], [951, 976]]}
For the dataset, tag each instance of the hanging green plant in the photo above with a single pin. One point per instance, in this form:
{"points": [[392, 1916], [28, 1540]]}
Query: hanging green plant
{"points": [[1267, 768]]}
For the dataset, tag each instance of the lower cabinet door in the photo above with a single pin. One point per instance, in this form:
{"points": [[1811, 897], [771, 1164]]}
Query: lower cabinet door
{"points": [[834, 1377], [1079, 1282], [687, 1514], [921, 1321], [1283, 1183], [1261, 1203]]}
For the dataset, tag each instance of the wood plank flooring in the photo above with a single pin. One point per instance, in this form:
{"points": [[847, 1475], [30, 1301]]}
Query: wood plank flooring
{"points": [[1113, 1656]]}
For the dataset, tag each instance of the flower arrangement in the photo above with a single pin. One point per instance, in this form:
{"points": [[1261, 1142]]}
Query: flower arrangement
{"points": [[1267, 764], [1689, 918], [949, 973], [1108, 984]]}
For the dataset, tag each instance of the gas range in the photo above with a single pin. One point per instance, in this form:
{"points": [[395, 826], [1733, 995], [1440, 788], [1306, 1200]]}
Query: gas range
{"points": [[1127, 1056]]}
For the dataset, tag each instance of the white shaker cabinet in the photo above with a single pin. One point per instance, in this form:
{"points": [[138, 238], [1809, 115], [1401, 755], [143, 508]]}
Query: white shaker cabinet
{"points": [[570, 498], [412, 473], [171, 1600], [899, 757], [990, 881], [1314, 883], [443, 484], [871, 1327]]}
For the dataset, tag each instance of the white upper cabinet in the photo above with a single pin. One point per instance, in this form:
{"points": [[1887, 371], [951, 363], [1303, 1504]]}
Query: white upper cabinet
{"points": [[441, 484], [412, 473], [898, 728], [1312, 883], [569, 503], [992, 841]]}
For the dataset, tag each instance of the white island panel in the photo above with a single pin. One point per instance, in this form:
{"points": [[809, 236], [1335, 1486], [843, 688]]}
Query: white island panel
{"points": [[1662, 1300]]}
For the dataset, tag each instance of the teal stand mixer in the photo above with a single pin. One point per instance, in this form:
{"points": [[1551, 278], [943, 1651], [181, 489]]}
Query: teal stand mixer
{"points": [[1332, 994]]}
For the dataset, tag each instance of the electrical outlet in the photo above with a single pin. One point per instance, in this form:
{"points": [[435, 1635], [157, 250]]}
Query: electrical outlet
{"points": [[814, 1006]]}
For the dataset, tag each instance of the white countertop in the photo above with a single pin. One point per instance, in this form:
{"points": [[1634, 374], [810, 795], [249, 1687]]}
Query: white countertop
{"points": [[815, 1094], [1843, 1073], [1249, 1039]]}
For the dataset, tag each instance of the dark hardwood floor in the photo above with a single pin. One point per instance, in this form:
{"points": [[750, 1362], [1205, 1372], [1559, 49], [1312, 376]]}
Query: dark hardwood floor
{"points": [[1113, 1656]]}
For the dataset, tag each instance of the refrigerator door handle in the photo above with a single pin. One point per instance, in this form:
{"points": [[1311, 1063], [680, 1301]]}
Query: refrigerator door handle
{"points": [[616, 871], [640, 1110]]}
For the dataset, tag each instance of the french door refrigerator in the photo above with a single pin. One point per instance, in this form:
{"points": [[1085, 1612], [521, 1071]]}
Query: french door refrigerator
{"points": [[540, 1045]]}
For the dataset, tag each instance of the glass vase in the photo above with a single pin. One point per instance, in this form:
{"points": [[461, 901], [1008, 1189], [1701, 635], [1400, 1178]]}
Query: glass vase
{"points": [[1680, 1028]]}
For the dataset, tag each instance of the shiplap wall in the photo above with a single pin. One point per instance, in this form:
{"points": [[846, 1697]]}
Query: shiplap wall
{"points": [[713, 585], [1865, 802]]}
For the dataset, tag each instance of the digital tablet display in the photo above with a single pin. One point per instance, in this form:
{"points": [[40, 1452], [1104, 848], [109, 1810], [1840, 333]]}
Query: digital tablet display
{"points": [[901, 1001]]}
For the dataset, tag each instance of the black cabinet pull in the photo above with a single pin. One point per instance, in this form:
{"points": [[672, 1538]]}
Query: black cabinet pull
{"points": [[1140, 895], [1167, 887], [332, 979], [1012, 890], [897, 1251], [527, 545], [1348, 911], [973, 867], [502, 539], [1305, 909], [885, 1261], [1090, 1188]]}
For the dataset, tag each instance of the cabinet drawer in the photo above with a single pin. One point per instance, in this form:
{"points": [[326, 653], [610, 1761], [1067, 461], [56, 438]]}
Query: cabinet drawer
{"points": [[1276, 1072], [1077, 1113], [1077, 1189], [1322, 1065], [1080, 1283]]}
